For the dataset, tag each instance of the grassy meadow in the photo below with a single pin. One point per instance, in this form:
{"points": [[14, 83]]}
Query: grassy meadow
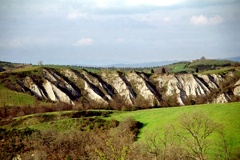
{"points": [[179, 67], [152, 119], [10, 98], [221, 71]]}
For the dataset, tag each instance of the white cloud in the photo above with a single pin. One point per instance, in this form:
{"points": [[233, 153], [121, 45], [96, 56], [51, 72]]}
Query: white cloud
{"points": [[131, 3], [84, 42], [202, 20], [75, 15], [154, 2], [166, 19], [216, 20]]}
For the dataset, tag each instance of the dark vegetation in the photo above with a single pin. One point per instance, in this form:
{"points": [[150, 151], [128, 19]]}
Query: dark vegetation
{"points": [[9, 112], [94, 138]]}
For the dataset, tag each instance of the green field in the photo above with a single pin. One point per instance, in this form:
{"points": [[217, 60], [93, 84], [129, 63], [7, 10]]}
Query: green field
{"points": [[221, 71], [211, 62], [10, 98], [179, 67], [226, 114]]}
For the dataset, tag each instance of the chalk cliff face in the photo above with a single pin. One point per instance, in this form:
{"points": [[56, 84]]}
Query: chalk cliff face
{"points": [[236, 90], [66, 85]]}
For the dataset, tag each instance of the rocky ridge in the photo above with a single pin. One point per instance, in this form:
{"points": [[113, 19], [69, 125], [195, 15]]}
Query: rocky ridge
{"points": [[69, 85]]}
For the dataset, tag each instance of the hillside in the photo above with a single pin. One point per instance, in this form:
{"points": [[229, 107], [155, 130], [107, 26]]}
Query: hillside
{"points": [[202, 65], [153, 119], [74, 130], [61, 106], [7, 66], [128, 89]]}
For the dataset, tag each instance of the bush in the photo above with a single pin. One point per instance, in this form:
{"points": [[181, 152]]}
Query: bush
{"points": [[169, 101]]}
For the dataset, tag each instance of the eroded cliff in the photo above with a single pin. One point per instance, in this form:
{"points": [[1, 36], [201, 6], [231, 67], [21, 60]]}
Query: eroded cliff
{"points": [[67, 85]]}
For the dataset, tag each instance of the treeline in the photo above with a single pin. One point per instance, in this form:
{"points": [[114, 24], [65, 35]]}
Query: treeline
{"points": [[143, 69]]}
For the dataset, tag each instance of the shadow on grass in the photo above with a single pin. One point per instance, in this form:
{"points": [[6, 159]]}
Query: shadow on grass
{"points": [[141, 126]]}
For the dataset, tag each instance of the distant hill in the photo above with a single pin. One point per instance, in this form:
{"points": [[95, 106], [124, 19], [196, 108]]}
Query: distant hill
{"points": [[138, 65], [233, 59]]}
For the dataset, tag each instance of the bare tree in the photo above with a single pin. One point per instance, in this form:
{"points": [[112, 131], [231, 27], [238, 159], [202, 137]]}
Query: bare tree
{"points": [[163, 145], [197, 127], [225, 146], [202, 58], [40, 62]]}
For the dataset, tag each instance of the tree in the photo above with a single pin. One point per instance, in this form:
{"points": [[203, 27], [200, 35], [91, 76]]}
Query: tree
{"points": [[163, 70], [203, 58], [197, 70], [236, 64], [152, 71], [197, 127], [159, 70], [225, 145], [40, 62], [159, 145]]}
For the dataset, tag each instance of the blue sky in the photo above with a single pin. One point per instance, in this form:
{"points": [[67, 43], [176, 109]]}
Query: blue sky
{"points": [[103, 32]]}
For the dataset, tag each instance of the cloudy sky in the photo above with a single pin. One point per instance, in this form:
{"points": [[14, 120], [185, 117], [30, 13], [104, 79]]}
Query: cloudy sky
{"points": [[103, 32]]}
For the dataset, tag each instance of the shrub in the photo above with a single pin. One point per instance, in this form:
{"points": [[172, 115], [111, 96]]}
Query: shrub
{"points": [[169, 101]]}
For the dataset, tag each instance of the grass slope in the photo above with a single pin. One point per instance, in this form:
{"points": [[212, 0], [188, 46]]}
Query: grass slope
{"points": [[179, 67], [9, 97], [226, 114], [211, 62], [221, 71]]}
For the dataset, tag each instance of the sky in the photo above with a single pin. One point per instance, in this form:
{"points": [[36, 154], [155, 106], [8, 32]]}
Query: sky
{"points": [[105, 32]]}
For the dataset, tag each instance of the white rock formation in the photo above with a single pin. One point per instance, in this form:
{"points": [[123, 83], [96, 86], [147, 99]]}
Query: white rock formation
{"points": [[34, 88], [70, 74], [236, 90], [209, 80], [222, 98], [183, 85], [217, 78], [54, 78], [141, 87], [94, 96], [37, 91], [121, 87], [56, 94]]}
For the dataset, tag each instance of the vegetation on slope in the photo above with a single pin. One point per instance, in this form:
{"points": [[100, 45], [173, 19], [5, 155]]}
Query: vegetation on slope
{"points": [[13, 98], [159, 122], [223, 71], [67, 135], [154, 118], [8, 66], [209, 64], [202, 65], [180, 67], [75, 135]]}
